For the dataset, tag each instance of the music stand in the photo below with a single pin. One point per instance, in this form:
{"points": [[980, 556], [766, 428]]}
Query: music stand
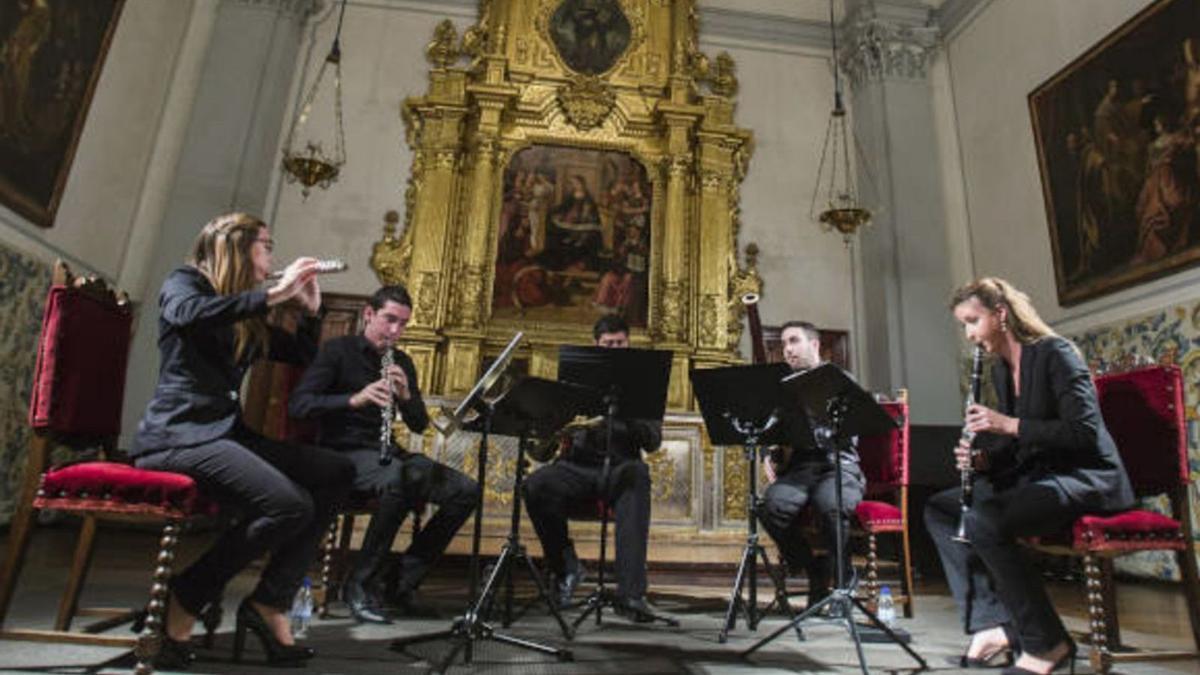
{"points": [[742, 405], [634, 385], [471, 627], [832, 400], [533, 408]]}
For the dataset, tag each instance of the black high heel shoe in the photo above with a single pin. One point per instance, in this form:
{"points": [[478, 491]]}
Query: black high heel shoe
{"points": [[1001, 658], [174, 655], [1068, 658], [278, 654]]}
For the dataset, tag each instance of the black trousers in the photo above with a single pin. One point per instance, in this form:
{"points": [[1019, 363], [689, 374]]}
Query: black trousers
{"points": [[556, 490], [991, 579], [287, 493], [408, 482], [784, 500]]}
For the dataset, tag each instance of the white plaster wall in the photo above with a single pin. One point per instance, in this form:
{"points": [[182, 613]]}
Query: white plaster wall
{"points": [[383, 61], [785, 98], [105, 184], [995, 60]]}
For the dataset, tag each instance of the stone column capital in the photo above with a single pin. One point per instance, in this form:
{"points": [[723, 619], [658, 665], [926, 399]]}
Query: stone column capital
{"points": [[876, 45]]}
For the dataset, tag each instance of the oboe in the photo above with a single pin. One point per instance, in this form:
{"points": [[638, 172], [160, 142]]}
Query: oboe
{"points": [[389, 410], [967, 474]]}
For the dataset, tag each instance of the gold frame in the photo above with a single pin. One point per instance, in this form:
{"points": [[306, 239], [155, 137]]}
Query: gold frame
{"points": [[500, 88]]}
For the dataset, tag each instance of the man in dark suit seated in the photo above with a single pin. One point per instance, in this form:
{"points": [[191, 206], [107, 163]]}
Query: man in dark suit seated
{"points": [[805, 475], [574, 479], [345, 390]]}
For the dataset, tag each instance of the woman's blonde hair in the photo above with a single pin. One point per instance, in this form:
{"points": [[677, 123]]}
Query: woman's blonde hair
{"points": [[994, 293], [222, 253]]}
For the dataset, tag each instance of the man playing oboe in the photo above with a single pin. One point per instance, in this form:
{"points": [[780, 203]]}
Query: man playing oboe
{"points": [[345, 390], [805, 475]]}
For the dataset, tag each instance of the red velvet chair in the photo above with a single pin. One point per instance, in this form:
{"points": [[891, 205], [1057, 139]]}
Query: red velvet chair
{"points": [[78, 389], [884, 508], [1144, 411]]}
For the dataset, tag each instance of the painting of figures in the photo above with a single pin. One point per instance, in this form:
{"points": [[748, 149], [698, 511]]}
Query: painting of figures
{"points": [[50, 57], [1117, 133], [574, 237]]}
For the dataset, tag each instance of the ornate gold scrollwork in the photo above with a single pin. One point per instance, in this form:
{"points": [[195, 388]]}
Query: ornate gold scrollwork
{"points": [[674, 321], [708, 321], [715, 181], [392, 256], [443, 50], [586, 101], [662, 475], [426, 300], [734, 485], [468, 306]]}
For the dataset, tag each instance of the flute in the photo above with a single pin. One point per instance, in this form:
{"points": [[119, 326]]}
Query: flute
{"points": [[323, 267]]}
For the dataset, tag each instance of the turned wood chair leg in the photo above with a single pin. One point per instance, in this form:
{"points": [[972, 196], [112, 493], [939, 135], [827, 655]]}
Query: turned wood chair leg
{"points": [[150, 640], [1101, 657], [872, 571], [327, 592]]}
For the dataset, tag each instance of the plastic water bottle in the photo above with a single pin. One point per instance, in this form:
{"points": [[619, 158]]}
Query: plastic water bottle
{"points": [[302, 609], [887, 608]]}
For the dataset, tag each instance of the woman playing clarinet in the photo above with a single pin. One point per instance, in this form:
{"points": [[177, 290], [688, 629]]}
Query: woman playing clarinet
{"points": [[1042, 458]]}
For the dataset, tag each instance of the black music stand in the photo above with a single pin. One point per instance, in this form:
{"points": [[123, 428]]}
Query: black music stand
{"points": [[835, 403], [634, 385], [742, 405], [471, 627], [533, 408]]}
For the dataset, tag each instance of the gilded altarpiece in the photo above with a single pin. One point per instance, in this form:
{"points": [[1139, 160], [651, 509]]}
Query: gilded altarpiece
{"points": [[601, 125]]}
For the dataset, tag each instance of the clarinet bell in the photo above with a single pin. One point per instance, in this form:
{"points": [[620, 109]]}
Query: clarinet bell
{"points": [[960, 532]]}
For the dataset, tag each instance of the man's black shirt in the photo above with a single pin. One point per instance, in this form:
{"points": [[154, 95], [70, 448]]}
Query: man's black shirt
{"points": [[343, 367]]}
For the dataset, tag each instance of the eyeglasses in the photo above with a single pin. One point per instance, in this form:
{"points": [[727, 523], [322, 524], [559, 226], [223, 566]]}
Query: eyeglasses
{"points": [[268, 244]]}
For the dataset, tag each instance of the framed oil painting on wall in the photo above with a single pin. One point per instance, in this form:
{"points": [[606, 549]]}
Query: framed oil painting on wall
{"points": [[51, 52], [574, 237], [1117, 132]]}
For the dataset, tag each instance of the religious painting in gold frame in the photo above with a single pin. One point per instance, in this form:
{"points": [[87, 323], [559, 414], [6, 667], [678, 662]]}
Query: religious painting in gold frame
{"points": [[574, 237]]}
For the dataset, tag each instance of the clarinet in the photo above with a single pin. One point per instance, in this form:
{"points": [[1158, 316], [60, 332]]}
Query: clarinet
{"points": [[388, 412], [967, 475]]}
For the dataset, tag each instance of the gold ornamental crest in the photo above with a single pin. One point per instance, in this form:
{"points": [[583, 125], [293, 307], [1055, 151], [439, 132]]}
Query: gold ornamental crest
{"points": [[586, 101]]}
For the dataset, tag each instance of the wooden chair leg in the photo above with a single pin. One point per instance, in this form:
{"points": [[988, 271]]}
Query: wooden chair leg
{"points": [[1112, 619], [906, 573], [1191, 589], [1101, 656], [327, 568], [22, 522], [872, 571], [150, 640], [80, 565]]}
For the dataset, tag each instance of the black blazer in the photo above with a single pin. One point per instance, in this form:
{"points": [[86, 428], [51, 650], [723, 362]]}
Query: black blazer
{"points": [[344, 366], [196, 399], [1062, 440]]}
